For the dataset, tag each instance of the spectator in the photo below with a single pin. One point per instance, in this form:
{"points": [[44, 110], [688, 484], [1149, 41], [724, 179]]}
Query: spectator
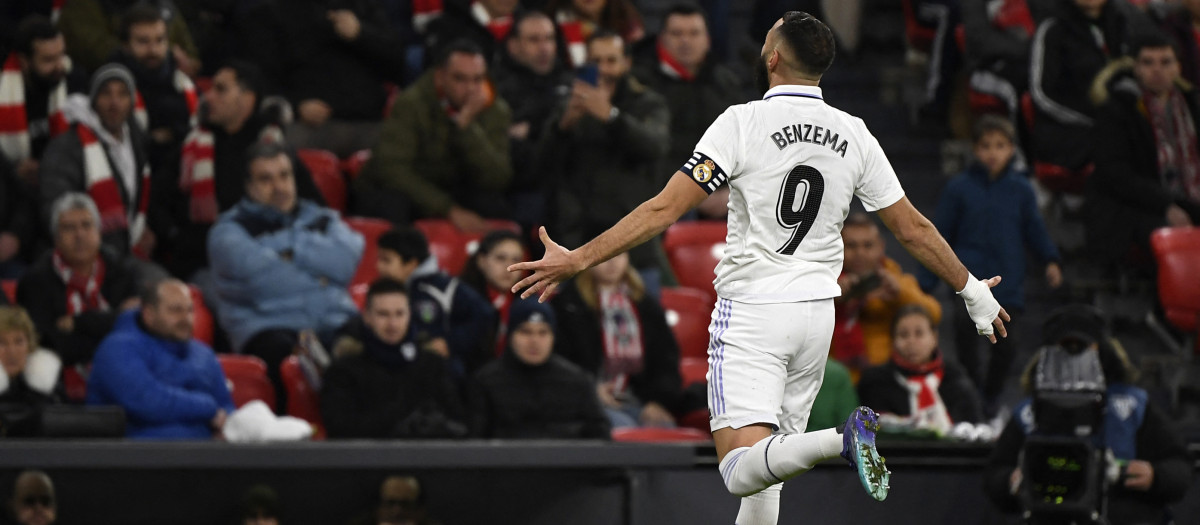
{"points": [[1145, 145], [579, 20], [918, 389], [617, 333], [1155, 466], [1180, 23], [212, 176], [835, 398], [1068, 50], [36, 78], [487, 273], [331, 61], [989, 216], [280, 264], [484, 22], [91, 28], [17, 219], [75, 293], [998, 46], [165, 104], [874, 288], [531, 78], [30, 378], [33, 501], [260, 506], [443, 151], [104, 154], [603, 152], [13, 13], [696, 87], [382, 385], [529, 393], [169, 384], [453, 321], [401, 501]]}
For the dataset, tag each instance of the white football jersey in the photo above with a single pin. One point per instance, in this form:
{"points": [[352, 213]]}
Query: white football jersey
{"points": [[793, 164]]}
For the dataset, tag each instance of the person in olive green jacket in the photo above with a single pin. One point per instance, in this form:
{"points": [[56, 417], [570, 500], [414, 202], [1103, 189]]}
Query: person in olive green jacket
{"points": [[92, 29], [443, 151]]}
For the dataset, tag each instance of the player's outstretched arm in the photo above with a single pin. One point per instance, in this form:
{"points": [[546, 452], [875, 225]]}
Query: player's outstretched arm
{"points": [[644, 222], [923, 241]]}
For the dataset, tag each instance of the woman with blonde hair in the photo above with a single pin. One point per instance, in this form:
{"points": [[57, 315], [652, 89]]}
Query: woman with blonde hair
{"points": [[30, 378]]}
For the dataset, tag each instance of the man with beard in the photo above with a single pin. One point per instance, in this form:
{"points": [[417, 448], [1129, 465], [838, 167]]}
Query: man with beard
{"points": [[170, 385], [91, 28], [793, 165]]}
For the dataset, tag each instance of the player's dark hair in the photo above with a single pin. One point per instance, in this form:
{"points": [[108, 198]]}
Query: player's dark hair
{"points": [[409, 243], [138, 15], [684, 9], [810, 41], [993, 124], [603, 34], [460, 45], [383, 286], [32, 29]]}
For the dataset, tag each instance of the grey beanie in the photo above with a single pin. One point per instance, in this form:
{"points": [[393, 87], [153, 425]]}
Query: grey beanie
{"points": [[111, 71]]}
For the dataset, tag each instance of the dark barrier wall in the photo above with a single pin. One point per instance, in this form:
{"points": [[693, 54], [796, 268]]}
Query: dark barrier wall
{"points": [[487, 483]]}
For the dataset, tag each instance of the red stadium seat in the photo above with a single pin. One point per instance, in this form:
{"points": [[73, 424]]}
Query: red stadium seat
{"points": [[694, 249], [453, 247], [10, 289], [358, 292], [661, 435], [327, 174], [352, 166], [688, 313], [371, 230], [203, 328], [1054, 177], [247, 376], [303, 399], [1178, 253], [693, 370], [920, 37]]}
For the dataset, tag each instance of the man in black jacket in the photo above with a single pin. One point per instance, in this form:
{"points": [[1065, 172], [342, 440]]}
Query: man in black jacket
{"points": [[485, 22], [1147, 159], [17, 220], [529, 393], [382, 385]]}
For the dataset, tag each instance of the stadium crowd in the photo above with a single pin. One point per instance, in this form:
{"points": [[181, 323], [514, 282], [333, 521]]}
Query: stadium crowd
{"points": [[329, 193]]}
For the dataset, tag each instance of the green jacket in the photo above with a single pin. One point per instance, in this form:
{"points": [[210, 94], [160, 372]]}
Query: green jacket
{"points": [[423, 155], [92, 44], [835, 400]]}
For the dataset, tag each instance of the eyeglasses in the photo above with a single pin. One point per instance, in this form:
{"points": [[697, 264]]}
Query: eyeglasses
{"points": [[33, 501]]}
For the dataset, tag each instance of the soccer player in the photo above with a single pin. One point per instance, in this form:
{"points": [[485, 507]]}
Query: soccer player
{"points": [[793, 164]]}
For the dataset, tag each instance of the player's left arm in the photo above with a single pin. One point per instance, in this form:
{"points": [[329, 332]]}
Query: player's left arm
{"points": [[918, 235], [647, 220]]}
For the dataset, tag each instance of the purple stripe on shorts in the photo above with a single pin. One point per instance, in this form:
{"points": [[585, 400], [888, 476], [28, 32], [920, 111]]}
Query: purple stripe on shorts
{"points": [[712, 360], [723, 325]]}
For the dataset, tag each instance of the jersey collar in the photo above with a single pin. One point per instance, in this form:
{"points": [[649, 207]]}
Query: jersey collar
{"points": [[794, 91]]}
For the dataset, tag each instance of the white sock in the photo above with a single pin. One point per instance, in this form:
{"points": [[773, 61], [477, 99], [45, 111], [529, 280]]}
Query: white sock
{"points": [[775, 459], [761, 508]]}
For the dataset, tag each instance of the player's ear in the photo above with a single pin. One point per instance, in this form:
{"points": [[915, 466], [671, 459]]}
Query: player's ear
{"points": [[773, 60]]}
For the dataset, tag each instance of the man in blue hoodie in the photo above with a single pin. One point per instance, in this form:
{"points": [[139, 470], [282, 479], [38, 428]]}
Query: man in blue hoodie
{"points": [[169, 384]]}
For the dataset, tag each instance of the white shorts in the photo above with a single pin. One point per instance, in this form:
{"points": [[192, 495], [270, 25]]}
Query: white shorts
{"points": [[766, 362]]}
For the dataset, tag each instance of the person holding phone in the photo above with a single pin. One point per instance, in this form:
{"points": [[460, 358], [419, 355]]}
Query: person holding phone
{"points": [[874, 288]]}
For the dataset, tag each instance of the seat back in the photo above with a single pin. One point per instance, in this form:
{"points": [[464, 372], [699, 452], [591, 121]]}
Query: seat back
{"points": [[1177, 251], [694, 249], [453, 247], [203, 328], [693, 370], [10, 289], [660, 435], [688, 314], [327, 175], [303, 400], [371, 230], [353, 165], [247, 379]]}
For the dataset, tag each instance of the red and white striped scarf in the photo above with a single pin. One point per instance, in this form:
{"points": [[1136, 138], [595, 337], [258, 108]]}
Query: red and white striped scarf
{"points": [[575, 33], [1176, 138], [183, 86], [498, 27], [197, 171], [671, 67], [83, 293], [102, 187], [14, 123], [424, 12], [623, 352], [925, 403], [56, 10]]}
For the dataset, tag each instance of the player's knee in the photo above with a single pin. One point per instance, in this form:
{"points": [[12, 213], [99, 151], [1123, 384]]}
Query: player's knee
{"points": [[737, 481]]}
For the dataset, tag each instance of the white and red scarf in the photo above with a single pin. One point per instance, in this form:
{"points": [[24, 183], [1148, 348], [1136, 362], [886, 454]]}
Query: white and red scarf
{"points": [[925, 403], [83, 293], [424, 12], [575, 33], [56, 10], [1175, 137], [14, 123], [623, 352], [183, 86], [498, 27], [102, 186], [197, 171], [671, 67]]}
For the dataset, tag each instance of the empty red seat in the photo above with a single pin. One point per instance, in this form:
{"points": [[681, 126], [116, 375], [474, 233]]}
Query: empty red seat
{"points": [[661, 435], [689, 312], [352, 166], [694, 249], [248, 380], [303, 401], [10, 289], [919, 36], [1177, 251], [693, 370], [203, 328], [371, 230], [1062, 179], [327, 175], [453, 247]]}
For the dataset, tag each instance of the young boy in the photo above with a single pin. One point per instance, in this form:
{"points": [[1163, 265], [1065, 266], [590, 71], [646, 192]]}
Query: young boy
{"points": [[989, 216]]}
